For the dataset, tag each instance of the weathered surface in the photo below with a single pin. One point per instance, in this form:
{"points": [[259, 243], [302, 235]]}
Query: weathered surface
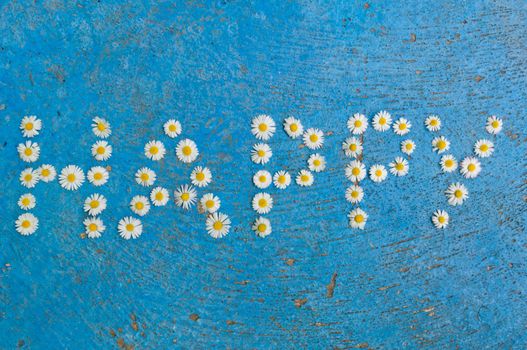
{"points": [[314, 283]]}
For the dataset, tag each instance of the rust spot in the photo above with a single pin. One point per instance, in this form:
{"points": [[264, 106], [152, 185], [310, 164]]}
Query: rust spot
{"points": [[388, 287], [83, 235], [242, 283], [478, 78], [194, 317], [21, 343], [290, 261], [330, 288], [300, 302], [112, 333], [133, 317], [231, 322], [362, 346], [418, 72], [135, 326], [108, 168], [366, 6]]}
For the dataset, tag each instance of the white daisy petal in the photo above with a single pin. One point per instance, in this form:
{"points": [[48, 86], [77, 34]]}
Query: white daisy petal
{"points": [[484, 148], [47, 172], [262, 179], [130, 227], [382, 121], [440, 219], [313, 138], [354, 194], [29, 151], [30, 126], [470, 167], [261, 153], [357, 218], [29, 177], [355, 171], [304, 178], [262, 203], [352, 147], [26, 224], [98, 176], [101, 128], [140, 205], [293, 127], [155, 150], [93, 227], [201, 176], [95, 204], [408, 147], [218, 225], [357, 124], [185, 196], [71, 177], [27, 201], [440, 144], [494, 125], [209, 203], [456, 194], [159, 196], [172, 128], [448, 163], [145, 177], [263, 127], [101, 150], [187, 151], [316, 163], [282, 179], [378, 173], [402, 126], [399, 167], [433, 123], [262, 227]]}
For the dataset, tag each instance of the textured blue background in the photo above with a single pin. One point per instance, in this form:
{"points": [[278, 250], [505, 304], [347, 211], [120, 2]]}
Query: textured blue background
{"points": [[400, 283]]}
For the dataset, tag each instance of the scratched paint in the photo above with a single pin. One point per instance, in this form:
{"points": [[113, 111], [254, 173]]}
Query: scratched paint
{"points": [[314, 283]]}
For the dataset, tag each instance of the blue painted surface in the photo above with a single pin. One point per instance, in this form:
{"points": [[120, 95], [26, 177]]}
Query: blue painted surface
{"points": [[400, 283]]}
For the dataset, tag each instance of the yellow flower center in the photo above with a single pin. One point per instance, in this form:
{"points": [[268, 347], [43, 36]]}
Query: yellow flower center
{"points": [[261, 153], [101, 150], [304, 178], [26, 223], [187, 150], [441, 219], [25, 201], [262, 203], [172, 128], [359, 218], [209, 204], [293, 127], [101, 126], [471, 167], [139, 205], [28, 152], [409, 146], [144, 177], [92, 227], [262, 127], [382, 121], [441, 144], [458, 194], [355, 171], [94, 204], [71, 177], [97, 176], [28, 177], [154, 150], [262, 178], [378, 172], [484, 148], [357, 123], [29, 126], [45, 172], [313, 137], [495, 124], [353, 147], [449, 163], [159, 196], [218, 225], [281, 179], [262, 227], [433, 122], [402, 126], [200, 176], [399, 166], [185, 196], [130, 227], [316, 162], [355, 194]]}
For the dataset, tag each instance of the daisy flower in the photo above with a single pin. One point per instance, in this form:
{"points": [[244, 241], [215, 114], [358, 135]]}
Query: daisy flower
{"points": [[352, 147], [440, 219], [201, 176], [293, 127], [355, 171], [101, 128], [304, 178], [448, 163], [101, 150], [95, 204], [382, 121], [140, 205], [172, 128], [399, 167], [494, 125], [263, 127], [470, 167], [29, 151], [187, 151], [218, 225], [262, 203], [357, 218], [378, 173], [159, 196], [402, 126], [456, 194], [484, 148], [26, 224], [155, 150], [30, 126], [282, 179], [316, 163], [313, 138], [185, 196], [354, 194], [130, 227], [357, 124], [145, 177], [71, 177], [261, 153], [262, 179], [98, 176], [262, 227], [433, 123], [408, 147], [27, 201], [209, 203], [29, 177], [47, 172], [440, 144], [93, 227]]}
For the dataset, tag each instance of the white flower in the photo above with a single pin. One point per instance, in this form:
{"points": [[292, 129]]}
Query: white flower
{"points": [[433, 123], [399, 167], [159, 196], [30, 126], [145, 177], [293, 127], [402, 126], [357, 218], [27, 201], [456, 194], [440, 144], [71, 177], [262, 203], [47, 172], [261, 153], [93, 227], [470, 167], [26, 224], [29, 151], [209, 203], [357, 124], [201, 176], [185, 196], [262, 179], [262, 227], [29, 177], [218, 225], [282, 179], [101, 150], [494, 125], [172, 128], [263, 127], [378, 173], [484, 148], [140, 205], [355, 171], [95, 204], [408, 147], [187, 151], [101, 128], [130, 227], [304, 178], [352, 147], [354, 194], [448, 163], [440, 219], [98, 176], [155, 150], [316, 163], [313, 138], [382, 121]]}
